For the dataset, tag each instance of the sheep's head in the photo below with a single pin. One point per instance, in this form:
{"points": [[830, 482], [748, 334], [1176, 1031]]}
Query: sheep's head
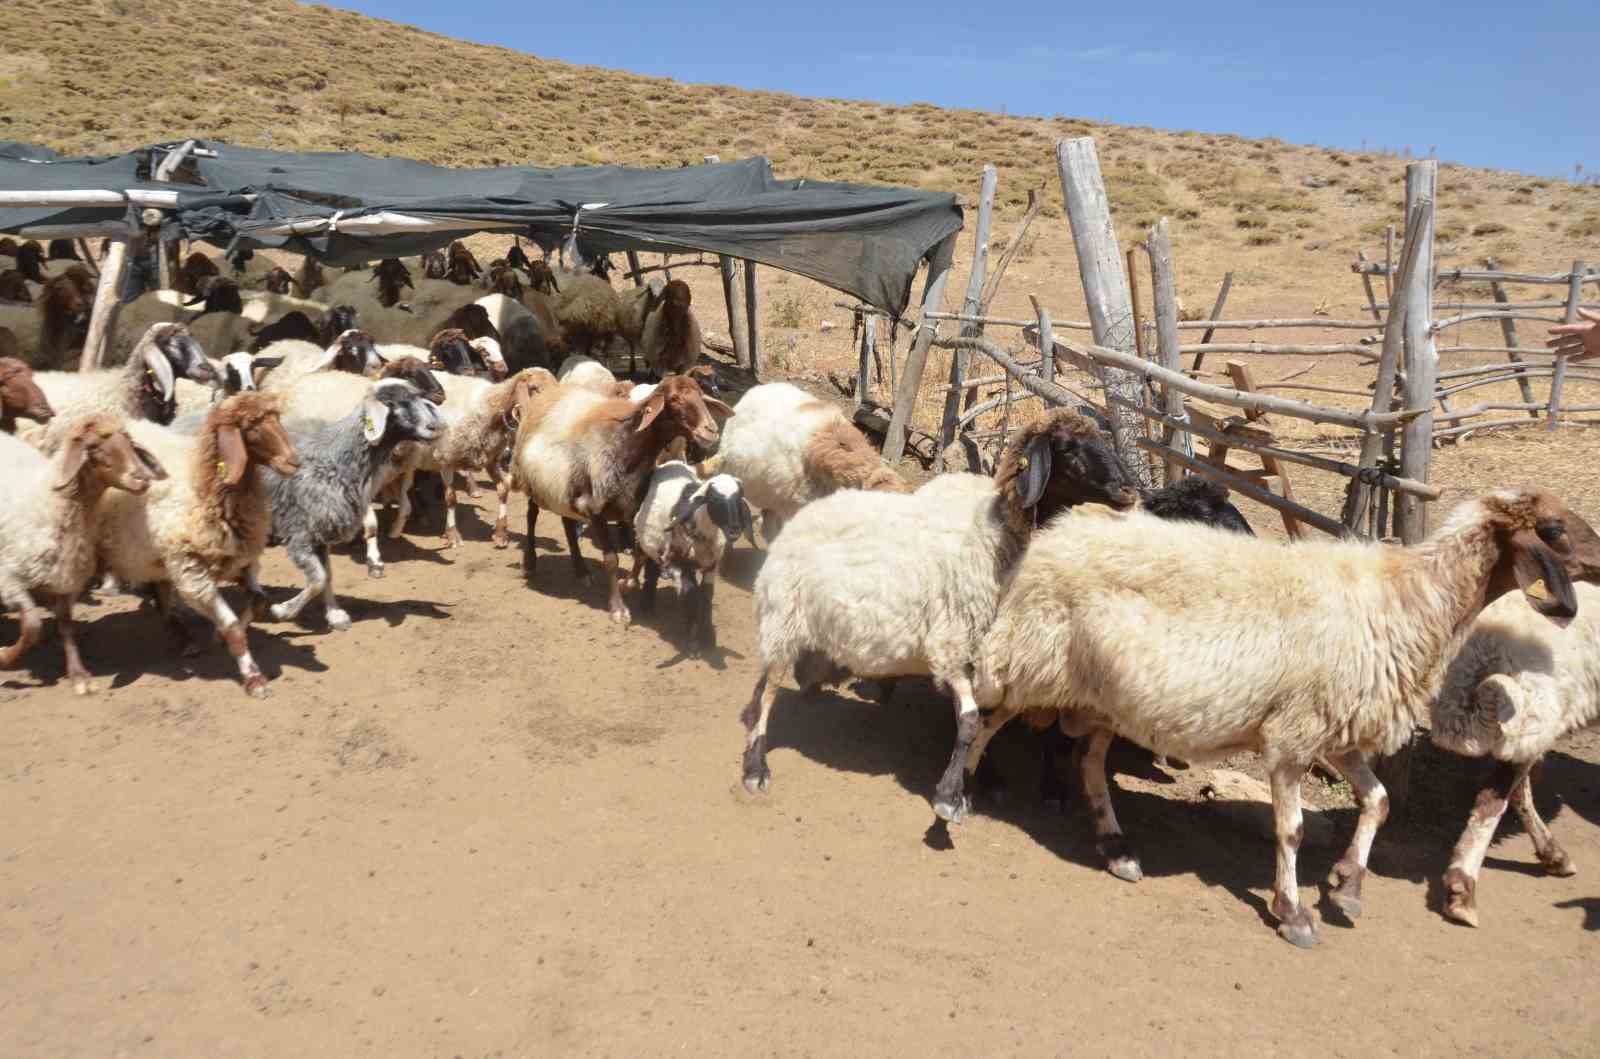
{"points": [[1543, 547], [1197, 499], [451, 351], [602, 267], [279, 281], [96, 449], [30, 261], [353, 351], [1059, 461], [63, 250], [682, 411], [337, 321], [216, 294], [248, 430], [486, 353], [473, 320], [185, 356], [516, 258], [14, 287], [395, 411], [542, 278], [81, 278], [435, 264], [8, 246], [239, 259], [675, 299], [415, 371], [722, 498], [463, 267], [504, 281], [238, 370], [197, 267], [65, 303], [20, 395], [392, 277], [311, 276]]}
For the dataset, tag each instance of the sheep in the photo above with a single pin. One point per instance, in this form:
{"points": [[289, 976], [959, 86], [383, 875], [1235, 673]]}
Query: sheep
{"points": [[62, 250], [8, 247], [311, 278], [9, 346], [670, 340], [14, 288], [229, 319], [685, 525], [353, 351], [1519, 683], [205, 526], [588, 374], [48, 524], [488, 358], [297, 325], [473, 321], [463, 268], [30, 261], [20, 396], [503, 279], [327, 500], [788, 449], [144, 388], [236, 373], [842, 593], [1196, 642], [279, 281], [587, 310], [391, 276], [435, 265], [55, 324], [527, 339], [195, 268], [586, 457]]}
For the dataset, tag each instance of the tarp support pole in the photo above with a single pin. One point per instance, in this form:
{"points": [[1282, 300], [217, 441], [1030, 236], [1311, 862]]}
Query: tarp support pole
{"points": [[166, 267], [633, 268], [905, 395], [752, 314], [103, 317], [737, 331]]}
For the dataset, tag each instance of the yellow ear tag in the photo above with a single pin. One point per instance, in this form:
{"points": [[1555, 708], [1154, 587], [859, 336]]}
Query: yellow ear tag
{"points": [[1022, 463], [367, 424], [1538, 591], [222, 467]]}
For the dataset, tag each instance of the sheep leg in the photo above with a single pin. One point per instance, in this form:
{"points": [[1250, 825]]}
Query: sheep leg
{"points": [[1551, 855], [178, 639], [1052, 792], [502, 492], [338, 618], [316, 575], [979, 770], [402, 511], [472, 484], [452, 535], [708, 592], [530, 554], [950, 797], [30, 626], [369, 530], [579, 570], [652, 575], [69, 645], [1461, 878], [608, 556], [757, 777], [1294, 919], [1348, 874], [1089, 754], [209, 601]]}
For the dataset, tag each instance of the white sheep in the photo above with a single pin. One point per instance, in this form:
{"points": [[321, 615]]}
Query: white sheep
{"points": [[1196, 642], [1519, 683], [236, 373], [588, 374], [144, 388], [882, 585], [353, 352], [684, 525], [208, 523], [670, 338], [788, 448], [49, 519]]}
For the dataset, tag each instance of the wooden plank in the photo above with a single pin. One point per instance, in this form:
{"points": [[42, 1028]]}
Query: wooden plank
{"points": [[730, 295], [869, 334], [910, 382], [1366, 281], [992, 287], [1105, 285], [103, 316], [1213, 319], [165, 265], [1559, 279], [1247, 488], [1508, 329], [1138, 309], [1047, 338], [1243, 382], [1559, 379], [1421, 360], [971, 305], [1164, 295], [752, 315]]}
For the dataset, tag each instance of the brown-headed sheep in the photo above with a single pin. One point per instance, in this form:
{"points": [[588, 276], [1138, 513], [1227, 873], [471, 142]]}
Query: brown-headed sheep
{"points": [[20, 396]]}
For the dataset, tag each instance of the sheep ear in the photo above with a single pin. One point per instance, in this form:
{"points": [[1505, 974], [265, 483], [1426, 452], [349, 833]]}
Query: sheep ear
{"points": [[235, 460], [375, 419], [653, 407], [716, 407], [747, 521], [266, 363], [1543, 580], [1037, 461], [156, 363], [152, 466], [72, 461], [684, 509]]}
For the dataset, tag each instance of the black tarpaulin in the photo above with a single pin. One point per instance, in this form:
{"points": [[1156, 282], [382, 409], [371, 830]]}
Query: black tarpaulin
{"points": [[347, 208]]}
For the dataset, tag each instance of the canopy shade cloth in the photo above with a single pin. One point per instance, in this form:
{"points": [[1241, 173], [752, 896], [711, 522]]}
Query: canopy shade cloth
{"points": [[346, 208]]}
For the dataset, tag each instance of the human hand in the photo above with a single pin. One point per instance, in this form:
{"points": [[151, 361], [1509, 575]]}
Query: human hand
{"points": [[1577, 342]]}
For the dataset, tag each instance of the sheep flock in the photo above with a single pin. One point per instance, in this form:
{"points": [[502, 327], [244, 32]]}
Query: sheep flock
{"points": [[246, 407]]}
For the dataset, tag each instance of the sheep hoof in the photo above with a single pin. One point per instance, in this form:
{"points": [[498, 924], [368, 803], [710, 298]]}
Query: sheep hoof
{"points": [[1349, 905], [951, 810], [501, 538], [1126, 868], [474, 491], [1301, 933], [452, 538], [1460, 897], [279, 612], [81, 686], [621, 616], [339, 620], [375, 571], [255, 685], [1556, 862]]}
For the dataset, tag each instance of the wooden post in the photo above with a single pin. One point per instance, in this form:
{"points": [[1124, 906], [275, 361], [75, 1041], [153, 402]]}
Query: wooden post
{"points": [[752, 315], [1374, 445], [166, 267], [960, 359], [1047, 339], [1105, 287], [103, 318], [1372, 298], [869, 335], [633, 268], [905, 394], [1421, 359], [1138, 310], [1164, 292], [730, 295], [1035, 204], [1216, 314], [1242, 381], [1388, 265], [1508, 331], [1559, 378]]}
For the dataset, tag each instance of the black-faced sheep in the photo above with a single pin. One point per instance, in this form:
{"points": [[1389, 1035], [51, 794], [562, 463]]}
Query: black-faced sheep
{"points": [[684, 525]]}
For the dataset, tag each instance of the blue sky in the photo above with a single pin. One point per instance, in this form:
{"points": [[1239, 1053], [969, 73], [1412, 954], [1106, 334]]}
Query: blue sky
{"points": [[1485, 84]]}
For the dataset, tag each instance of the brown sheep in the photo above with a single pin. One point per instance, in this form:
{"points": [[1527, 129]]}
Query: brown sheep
{"points": [[8, 247], [63, 320], [30, 261], [81, 277], [434, 265], [503, 280], [14, 288], [670, 339], [473, 319], [392, 277], [464, 268], [451, 351], [195, 267], [20, 396], [542, 278], [279, 281], [9, 346], [63, 250], [312, 277]]}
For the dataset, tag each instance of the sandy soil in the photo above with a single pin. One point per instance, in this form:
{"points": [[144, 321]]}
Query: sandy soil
{"points": [[487, 822]]}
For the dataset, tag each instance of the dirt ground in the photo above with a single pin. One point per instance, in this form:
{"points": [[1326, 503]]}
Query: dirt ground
{"points": [[487, 822]]}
